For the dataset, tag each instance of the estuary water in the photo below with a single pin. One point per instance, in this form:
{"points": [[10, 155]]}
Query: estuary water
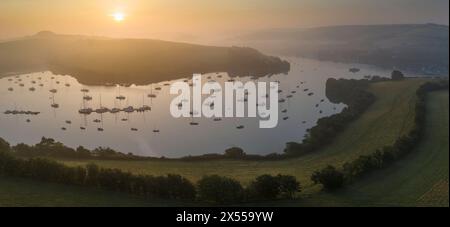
{"points": [[58, 99]]}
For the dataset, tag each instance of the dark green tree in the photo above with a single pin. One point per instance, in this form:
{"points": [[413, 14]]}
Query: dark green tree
{"points": [[329, 177], [220, 190]]}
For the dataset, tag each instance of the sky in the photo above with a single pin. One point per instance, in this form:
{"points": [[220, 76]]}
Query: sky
{"points": [[191, 19]]}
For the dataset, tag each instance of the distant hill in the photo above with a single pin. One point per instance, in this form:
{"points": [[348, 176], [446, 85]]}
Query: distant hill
{"points": [[98, 60], [421, 48]]}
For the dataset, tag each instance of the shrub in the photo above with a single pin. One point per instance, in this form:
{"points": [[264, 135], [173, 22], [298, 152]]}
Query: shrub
{"points": [[267, 187], [329, 177], [288, 186], [4, 146], [220, 190], [397, 75], [264, 187]]}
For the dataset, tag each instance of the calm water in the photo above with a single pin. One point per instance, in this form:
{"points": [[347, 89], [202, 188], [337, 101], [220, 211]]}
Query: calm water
{"points": [[177, 137]]}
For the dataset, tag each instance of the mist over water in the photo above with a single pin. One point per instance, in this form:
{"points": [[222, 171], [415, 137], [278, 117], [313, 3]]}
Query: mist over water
{"points": [[177, 137]]}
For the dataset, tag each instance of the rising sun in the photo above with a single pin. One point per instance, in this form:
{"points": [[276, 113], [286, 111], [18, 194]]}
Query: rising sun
{"points": [[118, 16]]}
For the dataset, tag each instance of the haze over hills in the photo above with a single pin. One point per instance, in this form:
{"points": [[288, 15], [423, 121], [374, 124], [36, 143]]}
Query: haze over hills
{"points": [[99, 60], [418, 48]]}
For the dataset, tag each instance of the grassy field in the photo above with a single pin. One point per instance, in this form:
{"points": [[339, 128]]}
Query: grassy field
{"points": [[391, 116], [419, 180]]}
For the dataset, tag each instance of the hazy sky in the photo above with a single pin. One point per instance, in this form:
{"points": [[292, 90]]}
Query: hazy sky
{"points": [[186, 19]]}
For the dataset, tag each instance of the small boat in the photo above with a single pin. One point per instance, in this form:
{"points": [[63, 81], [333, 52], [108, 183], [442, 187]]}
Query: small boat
{"points": [[289, 96], [22, 85], [121, 97], [41, 85], [321, 112], [82, 128], [305, 90], [144, 109], [293, 92], [68, 122], [166, 84], [33, 82], [304, 122], [285, 118], [84, 90], [280, 91], [134, 129], [240, 127], [284, 111], [281, 100], [87, 98], [311, 94], [97, 121], [32, 89], [156, 131], [53, 91], [100, 129], [28, 120], [55, 105], [317, 105], [194, 123], [323, 100], [158, 89], [102, 110], [152, 96], [129, 109], [114, 110], [10, 89], [124, 119], [64, 129], [86, 111], [217, 119], [67, 85], [354, 70]]}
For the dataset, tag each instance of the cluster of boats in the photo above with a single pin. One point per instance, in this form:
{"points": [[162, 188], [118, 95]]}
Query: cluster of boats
{"points": [[21, 112], [144, 108], [102, 110]]}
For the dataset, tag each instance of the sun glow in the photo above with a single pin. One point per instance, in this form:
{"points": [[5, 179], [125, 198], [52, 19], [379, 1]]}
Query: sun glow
{"points": [[118, 16]]}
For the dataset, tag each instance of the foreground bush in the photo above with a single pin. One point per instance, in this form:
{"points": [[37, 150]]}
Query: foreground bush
{"points": [[268, 187], [329, 177], [220, 190]]}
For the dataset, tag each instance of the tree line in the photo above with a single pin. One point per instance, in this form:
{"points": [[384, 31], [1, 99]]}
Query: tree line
{"points": [[332, 178], [212, 189]]}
